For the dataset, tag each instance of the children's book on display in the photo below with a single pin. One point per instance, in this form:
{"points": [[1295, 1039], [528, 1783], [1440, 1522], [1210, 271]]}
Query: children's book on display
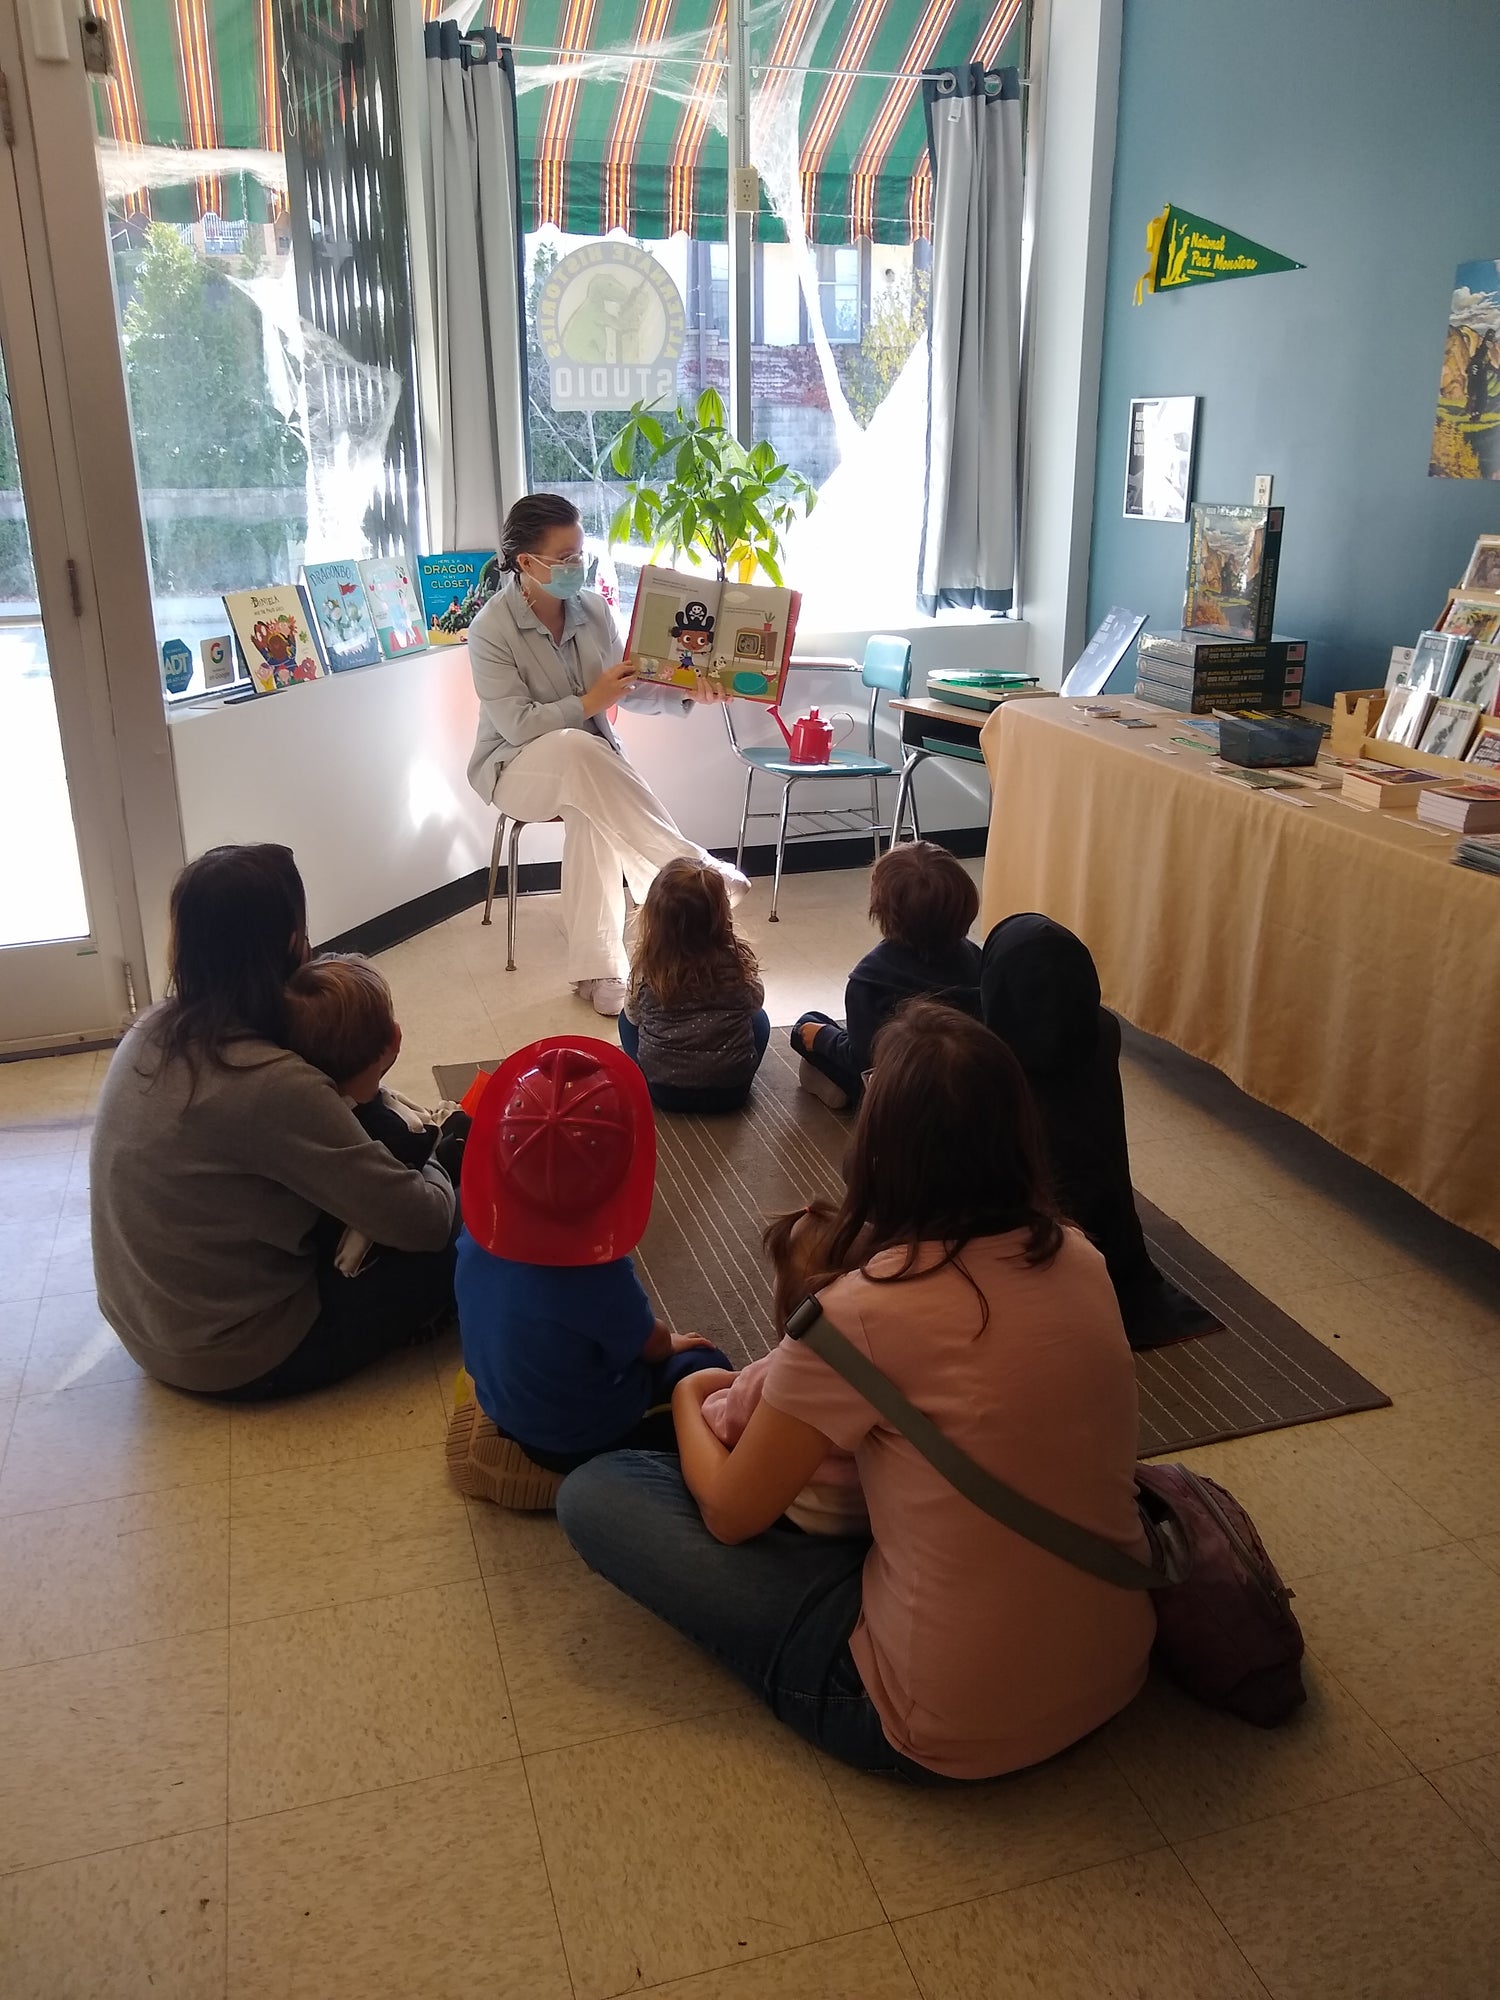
{"points": [[1472, 614], [1478, 679], [1449, 729], [274, 631], [1435, 661], [341, 613], [735, 636], [1233, 557], [455, 589], [391, 592]]}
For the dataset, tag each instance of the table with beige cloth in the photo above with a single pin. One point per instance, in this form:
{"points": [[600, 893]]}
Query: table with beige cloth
{"points": [[1333, 963]]}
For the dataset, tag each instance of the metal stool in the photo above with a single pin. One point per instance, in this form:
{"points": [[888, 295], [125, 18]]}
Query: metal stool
{"points": [[516, 826]]}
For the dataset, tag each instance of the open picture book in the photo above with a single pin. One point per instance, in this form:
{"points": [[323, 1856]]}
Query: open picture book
{"points": [[737, 636]]}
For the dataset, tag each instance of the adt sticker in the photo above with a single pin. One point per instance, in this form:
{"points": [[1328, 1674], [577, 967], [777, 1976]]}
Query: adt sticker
{"points": [[176, 667]]}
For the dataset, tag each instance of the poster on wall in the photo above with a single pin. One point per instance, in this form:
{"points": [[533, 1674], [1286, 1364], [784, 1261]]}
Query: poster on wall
{"points": [[1159, 457], [1466, 435]]}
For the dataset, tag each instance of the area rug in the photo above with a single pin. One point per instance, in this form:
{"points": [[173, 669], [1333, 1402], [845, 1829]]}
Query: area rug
{"points": [[718, 1180]]}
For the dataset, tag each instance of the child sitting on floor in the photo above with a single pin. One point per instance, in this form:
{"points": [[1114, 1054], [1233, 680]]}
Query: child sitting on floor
{"points": [[832, 1502], [922, 901], [340, 1019], [564, 1357], [693, 1017]]}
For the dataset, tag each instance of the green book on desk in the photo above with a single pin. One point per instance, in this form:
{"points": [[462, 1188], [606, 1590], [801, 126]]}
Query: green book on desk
{"points": [[978, 687]]}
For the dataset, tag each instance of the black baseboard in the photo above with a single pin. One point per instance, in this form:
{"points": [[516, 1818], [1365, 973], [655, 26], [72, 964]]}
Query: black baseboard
{"points": [[805, 857]]}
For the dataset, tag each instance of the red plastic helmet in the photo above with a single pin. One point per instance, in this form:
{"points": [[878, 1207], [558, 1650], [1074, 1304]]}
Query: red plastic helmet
{"points": [[561, 1162]]}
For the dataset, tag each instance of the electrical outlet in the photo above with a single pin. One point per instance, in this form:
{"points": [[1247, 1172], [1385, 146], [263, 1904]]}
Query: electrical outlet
{"points": [[1262, 495], [745, 190]]}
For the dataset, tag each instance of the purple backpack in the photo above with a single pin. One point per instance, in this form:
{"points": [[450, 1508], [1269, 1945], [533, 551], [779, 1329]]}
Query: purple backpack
{"points": [[1225, 1630]]}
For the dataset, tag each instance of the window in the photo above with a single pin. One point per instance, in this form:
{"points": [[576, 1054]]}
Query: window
{"points": [[41, 886], [620, 143], [258, 225], [717, 302], [839, 291]]}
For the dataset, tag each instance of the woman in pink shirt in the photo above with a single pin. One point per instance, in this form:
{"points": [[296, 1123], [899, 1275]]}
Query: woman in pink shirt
{"points": [[945, 1645]]}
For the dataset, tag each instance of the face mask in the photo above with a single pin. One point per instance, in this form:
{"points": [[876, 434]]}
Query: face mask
{"points": [[564, 579]]}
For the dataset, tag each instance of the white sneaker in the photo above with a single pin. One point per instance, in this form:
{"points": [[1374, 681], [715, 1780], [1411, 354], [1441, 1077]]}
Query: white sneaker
{"points": [[605, 996], [735, 882], [817, 1085]]}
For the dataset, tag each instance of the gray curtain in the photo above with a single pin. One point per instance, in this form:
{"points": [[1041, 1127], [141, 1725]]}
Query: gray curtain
{"points": [[474, 221], [968, 558]]}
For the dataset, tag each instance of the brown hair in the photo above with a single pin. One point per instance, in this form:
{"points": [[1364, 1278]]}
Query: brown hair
{"points": [[922, 898], [238, 929], [339, 1015], [798, 1247], [528, 522], [948, 1147], [686, 947]]}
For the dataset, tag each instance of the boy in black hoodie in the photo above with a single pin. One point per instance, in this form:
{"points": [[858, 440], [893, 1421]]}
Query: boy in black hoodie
{"points": [[922, 901]]}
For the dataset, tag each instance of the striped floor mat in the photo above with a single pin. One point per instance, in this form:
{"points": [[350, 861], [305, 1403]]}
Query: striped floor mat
{"points": [[718, 1180]]}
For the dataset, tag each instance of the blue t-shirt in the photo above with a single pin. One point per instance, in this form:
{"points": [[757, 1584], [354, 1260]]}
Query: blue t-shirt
{"points": [[555, 1352]]}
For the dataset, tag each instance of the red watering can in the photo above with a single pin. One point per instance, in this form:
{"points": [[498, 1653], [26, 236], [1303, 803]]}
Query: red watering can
{"points": [[811, 740]]}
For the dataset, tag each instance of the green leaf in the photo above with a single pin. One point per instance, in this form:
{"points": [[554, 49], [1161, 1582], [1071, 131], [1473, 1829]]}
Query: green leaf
{"points": [[619, 524], [710, 410], [623, 450], [770, 565]]}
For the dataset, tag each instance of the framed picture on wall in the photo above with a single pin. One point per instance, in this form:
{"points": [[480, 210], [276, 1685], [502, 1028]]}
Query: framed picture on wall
{"points": [[1159, 457]]}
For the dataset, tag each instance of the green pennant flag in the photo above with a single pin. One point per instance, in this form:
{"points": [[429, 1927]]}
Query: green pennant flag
{"points": [[1190, 250]]}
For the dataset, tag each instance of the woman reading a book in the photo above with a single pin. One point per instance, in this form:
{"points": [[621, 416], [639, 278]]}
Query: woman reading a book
{"points": [[548, 668], [217, 1152], [941, 1644]]}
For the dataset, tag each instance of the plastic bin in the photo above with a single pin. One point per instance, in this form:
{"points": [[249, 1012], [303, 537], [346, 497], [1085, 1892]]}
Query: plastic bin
{"points": [[1254, 742]]}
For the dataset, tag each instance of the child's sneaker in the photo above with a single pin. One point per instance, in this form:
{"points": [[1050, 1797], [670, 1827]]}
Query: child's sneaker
{"points": [[487, 1466], [814, 1081], [605, 996]]}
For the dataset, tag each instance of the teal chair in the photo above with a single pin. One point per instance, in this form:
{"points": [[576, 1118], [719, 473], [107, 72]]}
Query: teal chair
{"points": [[886, 670]]}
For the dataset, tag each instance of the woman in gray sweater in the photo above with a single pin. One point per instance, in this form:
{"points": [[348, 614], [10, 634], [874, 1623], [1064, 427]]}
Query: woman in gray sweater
{"points": [[216, 1152]]}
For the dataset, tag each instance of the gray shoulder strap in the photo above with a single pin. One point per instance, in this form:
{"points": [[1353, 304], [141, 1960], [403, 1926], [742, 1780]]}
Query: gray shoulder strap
{"points": [[1035, 1523]]}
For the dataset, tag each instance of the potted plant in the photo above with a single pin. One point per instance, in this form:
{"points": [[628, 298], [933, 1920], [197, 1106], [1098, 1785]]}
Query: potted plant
{"points": [[698, 490]]}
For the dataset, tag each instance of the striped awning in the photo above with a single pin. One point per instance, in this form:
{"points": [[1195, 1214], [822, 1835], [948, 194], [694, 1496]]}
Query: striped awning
{"points": [[611, 142], [624, 128], [198, 75]]}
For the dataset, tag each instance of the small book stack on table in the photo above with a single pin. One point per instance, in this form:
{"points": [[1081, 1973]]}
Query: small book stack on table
{"points": [[1472, 807]]}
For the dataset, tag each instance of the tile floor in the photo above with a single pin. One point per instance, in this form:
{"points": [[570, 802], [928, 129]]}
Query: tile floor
{"points": [[279, 1716]]}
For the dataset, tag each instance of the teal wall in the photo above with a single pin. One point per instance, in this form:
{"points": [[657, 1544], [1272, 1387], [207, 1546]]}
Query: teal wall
{"points": [[1361, 137]]}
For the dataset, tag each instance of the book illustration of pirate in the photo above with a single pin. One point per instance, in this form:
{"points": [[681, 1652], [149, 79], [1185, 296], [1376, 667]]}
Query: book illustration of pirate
{"points": [[693, 631]]}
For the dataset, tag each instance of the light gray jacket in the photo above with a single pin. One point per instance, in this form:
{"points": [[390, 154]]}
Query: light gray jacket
{"points": [[204, 1196], [528, 683]]}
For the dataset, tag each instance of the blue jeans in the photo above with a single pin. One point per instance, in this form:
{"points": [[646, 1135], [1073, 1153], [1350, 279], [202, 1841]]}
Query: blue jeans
{"points": [[701, 1097], [777, 1612]]}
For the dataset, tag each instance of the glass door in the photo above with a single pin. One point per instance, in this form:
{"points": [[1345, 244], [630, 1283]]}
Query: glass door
{"points": [[63, 975]]}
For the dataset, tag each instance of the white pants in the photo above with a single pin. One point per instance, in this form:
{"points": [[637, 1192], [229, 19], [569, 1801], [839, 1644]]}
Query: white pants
{"points": [[616, 830]]}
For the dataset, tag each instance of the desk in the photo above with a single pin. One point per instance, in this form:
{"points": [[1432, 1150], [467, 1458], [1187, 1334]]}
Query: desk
{"points": [[937, 729], [1334, 963]]}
